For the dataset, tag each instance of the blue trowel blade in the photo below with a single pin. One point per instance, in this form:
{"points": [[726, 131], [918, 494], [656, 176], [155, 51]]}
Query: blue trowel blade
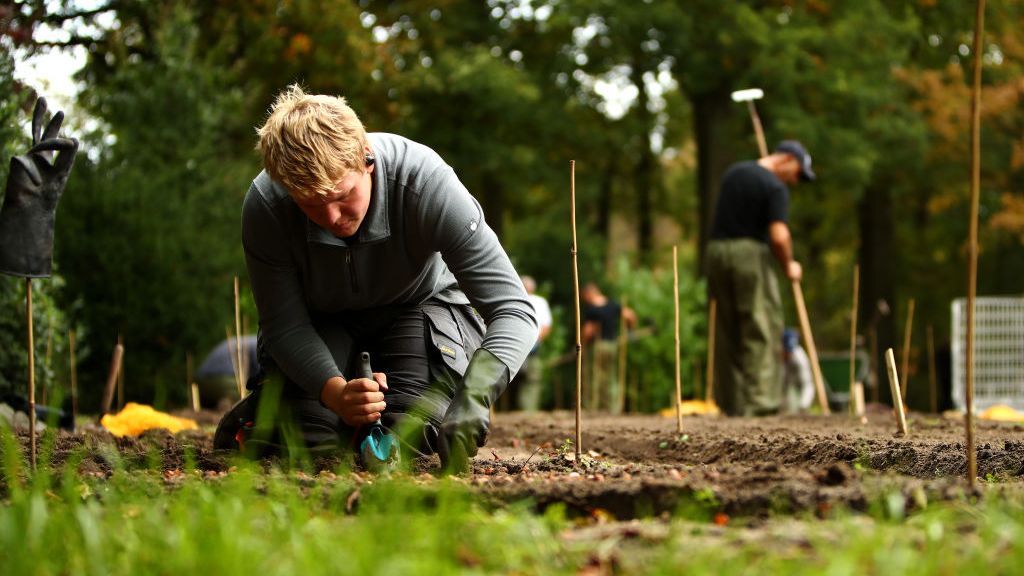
{"points": [[378, 444]]}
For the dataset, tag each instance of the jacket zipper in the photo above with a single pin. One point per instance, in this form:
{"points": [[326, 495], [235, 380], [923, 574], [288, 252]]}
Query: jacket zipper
{"points": [[352, 270]]}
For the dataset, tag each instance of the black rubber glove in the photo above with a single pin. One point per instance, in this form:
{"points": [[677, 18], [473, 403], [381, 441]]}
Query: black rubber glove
{"points": [[468, 419], [34, 186]]}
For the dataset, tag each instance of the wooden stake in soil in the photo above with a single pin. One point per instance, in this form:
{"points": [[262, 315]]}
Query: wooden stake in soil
{"points": [[932, 387], [709, 385], [972, 268], [908, 329], [120, 375], [192, 387], [857, 411], [623, 344], [73, 369], [115, 369], [675, 300], [858, 402], [236, 371], [894, 386], [812, 350], [576, 299], [240, 373], [31, 375]]}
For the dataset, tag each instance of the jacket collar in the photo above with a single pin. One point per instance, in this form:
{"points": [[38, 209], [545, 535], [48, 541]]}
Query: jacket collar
{"points": [[375, 227]]}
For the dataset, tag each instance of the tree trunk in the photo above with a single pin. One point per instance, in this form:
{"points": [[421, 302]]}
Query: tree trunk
{"points": [[877, 268], [711, 114]]}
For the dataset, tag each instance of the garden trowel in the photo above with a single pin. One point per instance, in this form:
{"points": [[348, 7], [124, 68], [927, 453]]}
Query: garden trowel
{"points": [[378, 450]]}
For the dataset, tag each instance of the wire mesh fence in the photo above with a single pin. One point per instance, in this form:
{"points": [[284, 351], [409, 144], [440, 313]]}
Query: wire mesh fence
{"points": [[998, 352]]}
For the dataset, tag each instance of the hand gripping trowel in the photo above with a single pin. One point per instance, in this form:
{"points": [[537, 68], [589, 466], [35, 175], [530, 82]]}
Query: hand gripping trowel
{"points": [[378, 450]]}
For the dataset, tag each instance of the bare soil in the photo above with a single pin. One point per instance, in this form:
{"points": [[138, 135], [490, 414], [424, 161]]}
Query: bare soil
{"points": [[640, 466]]}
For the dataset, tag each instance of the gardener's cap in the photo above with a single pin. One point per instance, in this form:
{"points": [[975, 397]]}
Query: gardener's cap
{"points": [[798, 151]]}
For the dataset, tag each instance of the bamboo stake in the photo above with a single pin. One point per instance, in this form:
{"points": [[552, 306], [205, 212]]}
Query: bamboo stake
{"points": [[73, 369], [240, 372], [623, 344], [812, 350], [576, 299], [675, 300], [858, 411], [709, 385], [115, 369], [972, 269], [31, 375], [858, 402], [235, 370], [193, 388], [908, 329], [595, 386], [873, 364], [894, 386], [932, 384], [48, 358], [120, 375]]}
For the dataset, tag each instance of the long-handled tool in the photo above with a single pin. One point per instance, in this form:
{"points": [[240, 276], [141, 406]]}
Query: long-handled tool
{"points": [[379, 448], [748, 96]]}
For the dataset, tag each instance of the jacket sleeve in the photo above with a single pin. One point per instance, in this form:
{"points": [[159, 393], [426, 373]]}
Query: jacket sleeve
{"points": [[452, 222], [285, 325]]}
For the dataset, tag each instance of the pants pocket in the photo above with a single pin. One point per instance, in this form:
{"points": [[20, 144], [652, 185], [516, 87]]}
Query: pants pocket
{"points": [[445, 337]]}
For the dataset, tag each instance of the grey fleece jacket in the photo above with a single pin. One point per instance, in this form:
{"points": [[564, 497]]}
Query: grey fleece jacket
{"points": [[424, 236]]}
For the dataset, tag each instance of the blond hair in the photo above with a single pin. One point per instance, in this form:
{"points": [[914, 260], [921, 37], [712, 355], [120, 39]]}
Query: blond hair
{"points": [[311, 141]]}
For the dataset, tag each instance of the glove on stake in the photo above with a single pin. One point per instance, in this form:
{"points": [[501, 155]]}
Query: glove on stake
{"points": [[378, 450], [34, 186], [468, 420]]}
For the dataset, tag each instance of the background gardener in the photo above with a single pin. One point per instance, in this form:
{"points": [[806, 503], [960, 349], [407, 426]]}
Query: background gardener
{"points": [[749, 226], [368, 242]]}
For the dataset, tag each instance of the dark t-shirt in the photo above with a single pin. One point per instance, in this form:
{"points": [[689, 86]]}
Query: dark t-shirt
{"points": [[750, 199], [606, 316]]}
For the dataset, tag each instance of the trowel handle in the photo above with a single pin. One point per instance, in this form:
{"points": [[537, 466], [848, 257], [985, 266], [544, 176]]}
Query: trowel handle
{"points": [[364, 363]]}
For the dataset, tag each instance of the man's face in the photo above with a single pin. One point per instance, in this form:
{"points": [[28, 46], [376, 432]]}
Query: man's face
{"points": [[789, 171], [342, 211]]}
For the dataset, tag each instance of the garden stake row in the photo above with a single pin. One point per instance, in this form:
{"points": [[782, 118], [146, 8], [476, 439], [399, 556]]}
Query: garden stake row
{"points": [[709, 384], [972, 267], [112, 376], [240, 373], [856, 387], [675, 301], [120, 375], [623, 344], [932, 396], [576, 295], [908, 330], [894, 386], [73, 369], [31, 375]]}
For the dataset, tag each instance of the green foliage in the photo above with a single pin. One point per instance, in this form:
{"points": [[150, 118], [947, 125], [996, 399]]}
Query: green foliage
{"points": [[50, 328], [157, 198], [651, 354]]}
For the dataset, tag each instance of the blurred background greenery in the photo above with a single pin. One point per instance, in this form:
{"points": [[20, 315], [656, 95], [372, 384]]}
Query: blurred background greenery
{"points": [[508, 91]]}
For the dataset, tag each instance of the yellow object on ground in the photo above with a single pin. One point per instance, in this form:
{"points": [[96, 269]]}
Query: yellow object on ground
{"points": [[692, 408], [1002, 413], [134, 419]]}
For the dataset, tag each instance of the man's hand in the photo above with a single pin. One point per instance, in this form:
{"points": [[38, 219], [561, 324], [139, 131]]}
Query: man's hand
{"points": [[468, 420], [794, 271], [357, 401]]}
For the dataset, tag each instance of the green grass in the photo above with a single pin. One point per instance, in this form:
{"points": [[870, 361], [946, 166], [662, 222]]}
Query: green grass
{"points": [[263, 523]]}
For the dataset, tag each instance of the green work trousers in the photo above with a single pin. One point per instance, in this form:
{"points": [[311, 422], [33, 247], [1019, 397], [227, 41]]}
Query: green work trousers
{"points": [[748, 347]]}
